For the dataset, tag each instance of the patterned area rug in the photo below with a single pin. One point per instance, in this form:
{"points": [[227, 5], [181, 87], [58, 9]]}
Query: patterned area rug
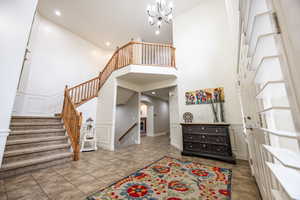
{"points": [[171, 179]]}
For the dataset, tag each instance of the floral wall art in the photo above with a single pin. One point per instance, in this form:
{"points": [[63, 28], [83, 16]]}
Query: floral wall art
{"points": [[205, 96]]}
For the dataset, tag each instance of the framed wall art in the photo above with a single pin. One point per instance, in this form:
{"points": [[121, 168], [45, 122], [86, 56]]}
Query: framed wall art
{"points": [[205, 96]]}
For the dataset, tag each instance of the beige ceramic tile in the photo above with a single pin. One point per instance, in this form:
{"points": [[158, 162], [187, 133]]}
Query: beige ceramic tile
{"points": [[96, 170]]}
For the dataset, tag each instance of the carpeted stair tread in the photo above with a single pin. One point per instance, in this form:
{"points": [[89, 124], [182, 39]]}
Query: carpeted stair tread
{"points": [[22, 132], [35, 140], [34, 161], [30, 150], [35, 123]]}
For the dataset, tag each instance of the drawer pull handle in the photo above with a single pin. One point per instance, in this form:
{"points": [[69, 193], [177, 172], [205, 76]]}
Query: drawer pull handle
{"points": [[204, 145], [202, 128], [203, 136], [217, 131]]}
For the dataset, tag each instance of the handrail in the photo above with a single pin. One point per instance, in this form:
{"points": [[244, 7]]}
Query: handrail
{"points": [[85, 91], [135, 53], [72, 120], [128, 131], [132, 53]]}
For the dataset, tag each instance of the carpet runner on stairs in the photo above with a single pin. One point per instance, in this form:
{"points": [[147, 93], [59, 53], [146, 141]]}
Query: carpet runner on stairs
{"points": [[35, 143]]}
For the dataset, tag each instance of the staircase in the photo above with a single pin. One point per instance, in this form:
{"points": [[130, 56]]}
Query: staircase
{"points": [[35, 143], [40, 142], [133, 53]]}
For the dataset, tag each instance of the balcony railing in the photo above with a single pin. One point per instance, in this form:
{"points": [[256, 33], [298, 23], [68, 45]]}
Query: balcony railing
{"points": [[133, 53]]}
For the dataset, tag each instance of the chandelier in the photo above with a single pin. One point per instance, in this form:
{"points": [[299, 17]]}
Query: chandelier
{"points": [[161, 12]]}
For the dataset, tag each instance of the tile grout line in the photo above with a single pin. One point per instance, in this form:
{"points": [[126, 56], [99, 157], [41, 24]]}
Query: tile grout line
{"points": [[70, 181], [40, 187]]}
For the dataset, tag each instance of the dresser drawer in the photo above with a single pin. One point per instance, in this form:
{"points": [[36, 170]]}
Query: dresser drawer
{"points": [[220, 150], [197, 147], [189, 146], [204, 129], [195, 137], [217, 139]]}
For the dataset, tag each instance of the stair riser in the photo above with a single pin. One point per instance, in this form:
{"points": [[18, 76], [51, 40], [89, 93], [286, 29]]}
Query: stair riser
{"points": [[38, 127], [33, 155], [35, 135], [22, 146], [32, 120], [30, 157], [19, 171]]}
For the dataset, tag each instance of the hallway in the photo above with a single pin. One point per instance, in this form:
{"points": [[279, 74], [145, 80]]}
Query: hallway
{"points": [[99, 169]]}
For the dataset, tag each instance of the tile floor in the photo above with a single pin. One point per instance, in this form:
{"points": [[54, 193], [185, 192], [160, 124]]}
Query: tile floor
{"points": [[95, 170]]}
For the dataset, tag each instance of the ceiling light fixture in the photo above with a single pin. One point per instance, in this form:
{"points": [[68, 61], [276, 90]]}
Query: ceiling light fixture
{"points": [[154, 93], [159, 13], [57, 13], [107, 44]]}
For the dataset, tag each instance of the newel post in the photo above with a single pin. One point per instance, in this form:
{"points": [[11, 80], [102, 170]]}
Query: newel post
{"points": [[64, 102], [77, 142]]}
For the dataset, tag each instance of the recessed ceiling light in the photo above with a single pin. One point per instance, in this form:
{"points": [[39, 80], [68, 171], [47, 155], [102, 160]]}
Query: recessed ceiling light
{"points": [[57, 12], [157, 32], [153, 93], [107, 44]]}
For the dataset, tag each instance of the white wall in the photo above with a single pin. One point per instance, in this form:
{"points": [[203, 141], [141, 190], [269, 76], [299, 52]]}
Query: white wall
{"points": [[15, 21], [126, 116], [106, 112], [205, 58], [58, 58], [161, 114]]}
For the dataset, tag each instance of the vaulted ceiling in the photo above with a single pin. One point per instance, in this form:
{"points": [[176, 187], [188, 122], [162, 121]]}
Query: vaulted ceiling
{"points": [[114, 21]]}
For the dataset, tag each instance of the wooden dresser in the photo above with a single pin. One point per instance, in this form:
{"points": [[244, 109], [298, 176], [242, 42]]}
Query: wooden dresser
{"points": [[207, 140]]}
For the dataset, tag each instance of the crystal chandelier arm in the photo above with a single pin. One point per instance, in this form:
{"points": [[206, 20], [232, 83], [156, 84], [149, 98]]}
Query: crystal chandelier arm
{"points": [[168, 22], [170, 12], [151, 23], [151, 15]]}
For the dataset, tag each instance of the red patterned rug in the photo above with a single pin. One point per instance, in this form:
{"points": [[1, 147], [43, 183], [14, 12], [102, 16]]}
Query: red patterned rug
{"points": [[171, 179]]}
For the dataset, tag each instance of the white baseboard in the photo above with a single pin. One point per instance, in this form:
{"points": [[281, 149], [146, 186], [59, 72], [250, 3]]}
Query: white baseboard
{"points": [[159, 134], [177, 146], [4, 132], [3, 136]]}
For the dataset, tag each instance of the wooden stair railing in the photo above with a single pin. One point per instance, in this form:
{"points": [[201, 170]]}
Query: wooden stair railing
{"points": [[133, 53], [127, 132], [72, 121], [84, 91]]}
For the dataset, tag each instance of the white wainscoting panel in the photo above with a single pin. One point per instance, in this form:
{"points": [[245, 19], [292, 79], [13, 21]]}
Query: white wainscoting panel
{"points": [[176, 135], [104, 134], [28, 104], [238, 141]]}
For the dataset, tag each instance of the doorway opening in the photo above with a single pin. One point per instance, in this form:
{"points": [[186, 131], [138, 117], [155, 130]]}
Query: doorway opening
{"points": [[155, 112]]}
